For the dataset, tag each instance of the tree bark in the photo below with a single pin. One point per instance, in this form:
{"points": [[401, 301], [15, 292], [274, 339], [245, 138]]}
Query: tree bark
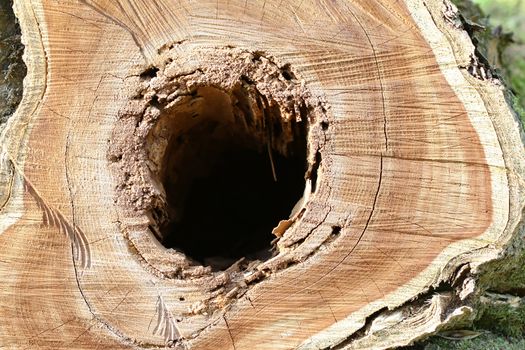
{"points": [[413, 176]]}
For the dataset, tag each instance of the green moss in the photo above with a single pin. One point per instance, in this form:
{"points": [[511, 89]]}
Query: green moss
{"points": [[501, 325], [517, 104], [505, 275], [502, 319], [487, 341], [516, 78]]}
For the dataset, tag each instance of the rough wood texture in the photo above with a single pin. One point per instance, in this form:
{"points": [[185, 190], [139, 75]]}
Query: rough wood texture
{"points": [[419, 175], [12, 70]]}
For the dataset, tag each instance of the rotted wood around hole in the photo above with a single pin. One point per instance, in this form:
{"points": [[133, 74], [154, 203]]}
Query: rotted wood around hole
{"points": [[221, 161]]}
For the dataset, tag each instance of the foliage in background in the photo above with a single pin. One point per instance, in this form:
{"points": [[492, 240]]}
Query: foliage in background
{"points": [[499, 33], [510, 15]]}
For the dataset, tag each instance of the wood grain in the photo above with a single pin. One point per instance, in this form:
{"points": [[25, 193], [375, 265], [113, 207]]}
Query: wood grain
{"points": [[413, 172]]}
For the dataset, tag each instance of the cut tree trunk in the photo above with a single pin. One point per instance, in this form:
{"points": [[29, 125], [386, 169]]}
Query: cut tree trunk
{"points": [[152, 175]]}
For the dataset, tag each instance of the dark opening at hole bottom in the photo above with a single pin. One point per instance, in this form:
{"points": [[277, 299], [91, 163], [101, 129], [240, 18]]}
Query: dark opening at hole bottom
{"points": [[223, 198], [230, 213]]}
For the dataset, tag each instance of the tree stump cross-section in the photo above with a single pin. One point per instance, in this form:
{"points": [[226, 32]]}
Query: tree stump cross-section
{"points": [[218, 174]]}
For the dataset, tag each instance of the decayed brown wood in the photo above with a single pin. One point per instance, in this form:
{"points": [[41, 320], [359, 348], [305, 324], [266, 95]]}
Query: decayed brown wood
{"points": [[415, 174]]}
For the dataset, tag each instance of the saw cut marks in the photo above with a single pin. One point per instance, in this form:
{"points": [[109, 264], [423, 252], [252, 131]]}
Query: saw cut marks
{"points": [[165, 323], [52, 217]]}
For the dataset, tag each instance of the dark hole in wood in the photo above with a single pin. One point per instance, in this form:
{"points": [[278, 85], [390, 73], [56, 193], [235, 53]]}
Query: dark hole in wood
{"points": [[149, 73], [336, 230], [315, 169], [287, 73], [223, 200]]}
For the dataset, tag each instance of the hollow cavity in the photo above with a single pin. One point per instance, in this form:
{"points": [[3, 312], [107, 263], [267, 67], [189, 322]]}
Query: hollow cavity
{"points": [[232, 168]]}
